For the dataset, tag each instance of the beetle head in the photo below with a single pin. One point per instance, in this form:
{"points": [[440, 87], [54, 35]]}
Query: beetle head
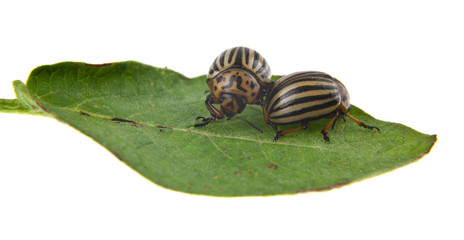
{"points": [[232, 104]]}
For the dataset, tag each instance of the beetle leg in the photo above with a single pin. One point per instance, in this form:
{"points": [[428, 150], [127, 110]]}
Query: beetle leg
{"points": [[330, 124], [285, 132], [215, 113], [361, 124], [249, 123], [266, 119]]}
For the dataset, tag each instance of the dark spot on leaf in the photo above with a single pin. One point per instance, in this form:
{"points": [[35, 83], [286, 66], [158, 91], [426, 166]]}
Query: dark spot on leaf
{"points": [[117, 156], [238, 173], [161, 126], [122, 120], [215, 177], [344, 163], [43, 108], [161, 130], [190, 184], [84, 113], [98, 65], [273, 166], [207, 186], [250, 172]]}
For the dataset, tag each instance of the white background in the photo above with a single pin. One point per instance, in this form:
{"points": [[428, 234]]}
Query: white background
{"points": [[402, 61]]}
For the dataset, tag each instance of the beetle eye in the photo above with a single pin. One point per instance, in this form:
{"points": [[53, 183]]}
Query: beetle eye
{"points": [[241, 102]]}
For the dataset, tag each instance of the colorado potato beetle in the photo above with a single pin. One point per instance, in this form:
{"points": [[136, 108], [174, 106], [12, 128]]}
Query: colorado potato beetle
{"points": [[305, 96], [237, 77]]}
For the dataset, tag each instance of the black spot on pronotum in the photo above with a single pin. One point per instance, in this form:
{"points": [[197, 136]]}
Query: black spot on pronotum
{"points": [[252, 85], [239, 84], [231, 82]]}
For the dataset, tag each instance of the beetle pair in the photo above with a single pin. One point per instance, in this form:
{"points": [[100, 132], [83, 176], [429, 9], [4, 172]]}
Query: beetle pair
{"points": [[240, 76]]}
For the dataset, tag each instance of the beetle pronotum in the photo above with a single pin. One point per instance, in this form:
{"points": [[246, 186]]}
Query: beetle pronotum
{"points": [[237, 77]]}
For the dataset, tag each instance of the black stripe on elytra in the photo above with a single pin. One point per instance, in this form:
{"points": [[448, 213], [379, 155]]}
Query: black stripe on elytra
{"points": [[300, 78], [304, 100], [231, 54], [247, 56], [215, 66], [306, 75], [255, 60], [307, 109], [238, 58], [300, 90], [262, 67], [221, 59]]}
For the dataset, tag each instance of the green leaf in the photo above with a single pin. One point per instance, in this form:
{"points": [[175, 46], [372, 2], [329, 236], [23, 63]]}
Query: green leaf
{"points": [[145, 116], [23, 104]]}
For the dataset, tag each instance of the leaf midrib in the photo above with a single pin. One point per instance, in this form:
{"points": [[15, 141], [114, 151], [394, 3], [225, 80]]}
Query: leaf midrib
{"points": [[207, 134]]}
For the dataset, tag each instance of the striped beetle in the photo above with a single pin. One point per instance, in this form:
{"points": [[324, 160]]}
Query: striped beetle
{"points": [[238, 76], [305, 96]]}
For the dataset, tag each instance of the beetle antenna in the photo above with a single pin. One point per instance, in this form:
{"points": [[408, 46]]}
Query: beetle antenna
{"points": [[249, 123]]}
